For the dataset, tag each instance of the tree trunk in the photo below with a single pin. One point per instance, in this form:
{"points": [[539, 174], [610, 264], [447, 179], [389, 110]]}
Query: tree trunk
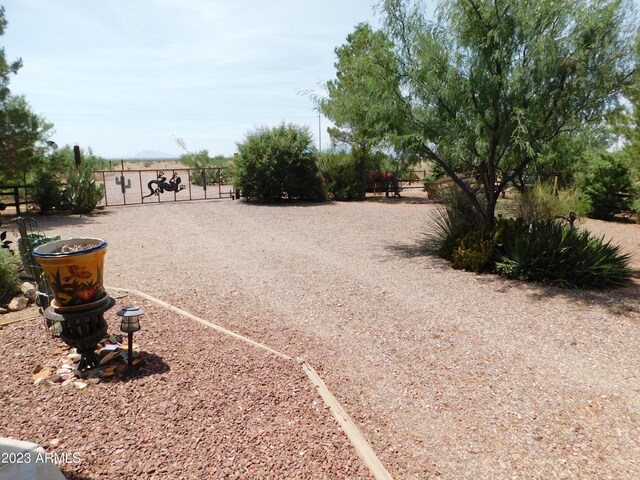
{"points": [[361, 154]]}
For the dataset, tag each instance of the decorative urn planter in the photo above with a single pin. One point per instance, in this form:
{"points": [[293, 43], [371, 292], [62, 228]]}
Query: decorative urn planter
{"points": [[74, 269]]}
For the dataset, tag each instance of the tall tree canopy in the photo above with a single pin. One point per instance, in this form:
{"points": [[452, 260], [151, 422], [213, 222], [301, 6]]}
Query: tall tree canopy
{"points": [[493, 85], [6, 68], [627, 124], [22, 132], [362, 100]]}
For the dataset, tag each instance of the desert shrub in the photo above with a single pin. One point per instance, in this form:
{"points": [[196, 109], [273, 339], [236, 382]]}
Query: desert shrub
{"points": [[607, 184], [454, 219], [204, 167], [26, 246], [63, 159], [341, 176], [211, 175], [278, 163], [539, 204], [81, 193], [9, 279], [48, 191], [435, 173], [476, 249], [551, 253]]}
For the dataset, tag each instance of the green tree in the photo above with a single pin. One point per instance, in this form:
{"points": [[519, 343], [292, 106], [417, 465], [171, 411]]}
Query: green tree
{"points": [[6, 68], [627, 124], [22, 137], [494, 84], [362, 100], [22, 132]]}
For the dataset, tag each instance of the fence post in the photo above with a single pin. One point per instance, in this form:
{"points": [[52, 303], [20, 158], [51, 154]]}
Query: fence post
{"points": [[16, 199]]}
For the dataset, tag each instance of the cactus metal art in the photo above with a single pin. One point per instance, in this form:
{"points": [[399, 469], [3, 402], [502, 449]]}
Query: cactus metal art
{"points": [[120, 182], [156, 187]]}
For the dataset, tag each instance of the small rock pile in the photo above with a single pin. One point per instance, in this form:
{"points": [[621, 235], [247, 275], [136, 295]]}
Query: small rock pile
{"points": [[21, 301], [62, 371]]}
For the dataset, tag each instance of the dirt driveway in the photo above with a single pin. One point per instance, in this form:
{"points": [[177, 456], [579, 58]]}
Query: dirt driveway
{"points": [[448, 374]]}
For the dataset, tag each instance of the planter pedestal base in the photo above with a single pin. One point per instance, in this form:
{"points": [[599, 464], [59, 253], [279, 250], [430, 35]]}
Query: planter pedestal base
{"points": [[83, 331]]}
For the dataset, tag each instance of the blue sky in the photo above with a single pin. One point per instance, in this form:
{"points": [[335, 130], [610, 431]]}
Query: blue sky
{"points": [[125, 76]]}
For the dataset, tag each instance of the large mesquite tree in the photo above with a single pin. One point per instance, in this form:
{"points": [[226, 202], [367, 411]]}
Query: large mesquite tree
{"points": [[362, 100], [21, 130], [493, 85]]}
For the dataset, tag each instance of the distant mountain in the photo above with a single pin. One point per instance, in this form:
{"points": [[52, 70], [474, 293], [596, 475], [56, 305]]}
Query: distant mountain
{"points": [[154, 154]]}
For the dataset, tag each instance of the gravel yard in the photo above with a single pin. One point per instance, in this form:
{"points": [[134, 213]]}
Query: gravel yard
{"points": [[447, 373], [202, 406]]}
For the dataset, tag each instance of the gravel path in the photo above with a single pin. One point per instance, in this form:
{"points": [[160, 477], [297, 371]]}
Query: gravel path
{"points": [[448, 374]]}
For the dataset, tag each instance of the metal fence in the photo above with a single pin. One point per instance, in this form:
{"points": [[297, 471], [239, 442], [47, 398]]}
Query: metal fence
{"points": [[135, 187]]}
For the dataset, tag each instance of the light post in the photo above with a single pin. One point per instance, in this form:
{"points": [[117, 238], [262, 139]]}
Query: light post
{"points": [[130, 323]]}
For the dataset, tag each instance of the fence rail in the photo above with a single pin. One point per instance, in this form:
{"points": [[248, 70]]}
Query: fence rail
{"points": [[13, 192], [413, 179]]}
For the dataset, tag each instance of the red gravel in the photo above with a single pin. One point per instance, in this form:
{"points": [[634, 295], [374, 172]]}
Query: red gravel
{"points": [[202, 406]]}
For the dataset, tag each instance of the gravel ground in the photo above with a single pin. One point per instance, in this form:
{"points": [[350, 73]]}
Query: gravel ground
{"points": [[449, 374], [203, 406]]}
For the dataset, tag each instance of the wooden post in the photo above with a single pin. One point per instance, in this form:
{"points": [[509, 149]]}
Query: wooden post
{"points": [[16, 199], [555, 186], [76, 155]]}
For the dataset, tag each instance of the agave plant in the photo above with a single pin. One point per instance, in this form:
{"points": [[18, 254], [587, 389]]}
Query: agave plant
{"points": [[82, 194], [554, 254]]}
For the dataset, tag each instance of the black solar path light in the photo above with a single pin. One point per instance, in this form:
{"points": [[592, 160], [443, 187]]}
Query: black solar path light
{"points": [[130, 323]]}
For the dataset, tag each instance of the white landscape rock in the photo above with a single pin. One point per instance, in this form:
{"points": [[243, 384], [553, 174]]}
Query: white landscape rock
{"points": [[28, 290], [18, 303]]}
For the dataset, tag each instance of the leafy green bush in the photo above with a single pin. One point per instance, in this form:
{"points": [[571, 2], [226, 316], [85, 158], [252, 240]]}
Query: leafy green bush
{"points": [[81, 193], [607, 184], [48, 191], [340, 173], [453, 219], [9, 279], [278, 163], [550, 253], [539, 204]]}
